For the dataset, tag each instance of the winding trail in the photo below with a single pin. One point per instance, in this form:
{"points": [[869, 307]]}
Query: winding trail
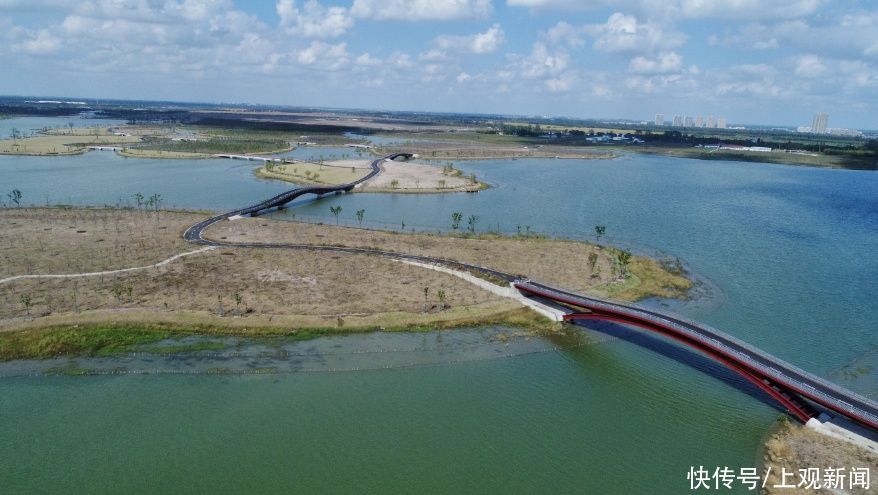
{"points": [[108, 272]]}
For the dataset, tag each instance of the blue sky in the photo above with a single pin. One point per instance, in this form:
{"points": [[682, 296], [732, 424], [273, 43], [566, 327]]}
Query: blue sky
{"points": [[759, 62]]}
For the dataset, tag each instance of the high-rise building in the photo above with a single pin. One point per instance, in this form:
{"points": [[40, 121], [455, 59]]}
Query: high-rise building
{"points": [[721, 123], [678, 121], [711, 121], [699, 121], [687, 122], [659, 119], [820, 123]]}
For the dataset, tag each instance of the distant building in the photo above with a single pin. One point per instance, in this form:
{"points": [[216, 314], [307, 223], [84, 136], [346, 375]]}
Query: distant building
{"points": [[678, 121], [711, 121], [659, 119], [699, 121], [721, 123], [803, 129], [820, 123], [688, 122]]}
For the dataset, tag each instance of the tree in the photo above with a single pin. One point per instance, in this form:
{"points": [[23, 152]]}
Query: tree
{"points": [[336, 211], [442, 297], [426, 293], [456, 217], [624, 258], [26, 302], [471, 223], [360, 213], [238, 300], [599, 231], [15, 196], [394, 184], [139, 199]]}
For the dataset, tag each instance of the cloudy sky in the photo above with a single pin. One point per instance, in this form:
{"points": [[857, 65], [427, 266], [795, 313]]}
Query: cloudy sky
{"points": [[753, 61]]}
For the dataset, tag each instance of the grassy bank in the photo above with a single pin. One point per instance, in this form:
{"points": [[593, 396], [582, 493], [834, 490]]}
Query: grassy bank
{"points": [[793, 447], [113, 338]]}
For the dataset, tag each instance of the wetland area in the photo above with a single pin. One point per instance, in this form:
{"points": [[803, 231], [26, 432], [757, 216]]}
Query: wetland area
{"points": [[488, 406]]}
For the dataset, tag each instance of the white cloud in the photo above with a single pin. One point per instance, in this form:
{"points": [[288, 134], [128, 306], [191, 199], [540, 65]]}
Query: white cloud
{"points": [[541, 62], [561, 84], [330, 56], [42, 43], [314, 20], [367, 60], [809, 66], [843, 36], [421, 10], [663, 63], [623, 33], [564, 33], [688, 9], [480, 43], [463, 77]]}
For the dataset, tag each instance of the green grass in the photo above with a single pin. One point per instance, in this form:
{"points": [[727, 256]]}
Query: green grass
{"points": [[113, 338], [91, 340]]}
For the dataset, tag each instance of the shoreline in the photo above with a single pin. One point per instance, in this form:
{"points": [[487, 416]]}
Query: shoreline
{"points": [[99, 302], [367, 187]]}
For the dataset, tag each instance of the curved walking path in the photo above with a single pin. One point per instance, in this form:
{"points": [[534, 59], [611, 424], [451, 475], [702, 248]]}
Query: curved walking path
{"points": [[787, 384], [108, 272]]}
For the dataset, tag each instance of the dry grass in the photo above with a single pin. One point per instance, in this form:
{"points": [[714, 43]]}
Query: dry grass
{"points": [[480, 147], [270, 289], [561, 262], [395, 176], [223, 287], [335, 172], [795, 447], [139, 153], [399, 176], [56, 240], [62, 143]]}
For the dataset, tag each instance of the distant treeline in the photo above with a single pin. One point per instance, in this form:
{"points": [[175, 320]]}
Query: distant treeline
{"points": [[41, 110], [806, 142]]}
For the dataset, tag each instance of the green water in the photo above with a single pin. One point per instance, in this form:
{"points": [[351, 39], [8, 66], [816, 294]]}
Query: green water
{"points": [[575, 420]]}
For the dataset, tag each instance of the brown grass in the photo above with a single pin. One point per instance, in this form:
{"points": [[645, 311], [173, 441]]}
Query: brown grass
{"points": [[795, 447], [56, 240], [292, 289], [560, 262]]}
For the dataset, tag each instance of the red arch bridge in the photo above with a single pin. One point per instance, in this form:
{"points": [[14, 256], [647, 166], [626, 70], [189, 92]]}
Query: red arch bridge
{"points": [[795, 389]]}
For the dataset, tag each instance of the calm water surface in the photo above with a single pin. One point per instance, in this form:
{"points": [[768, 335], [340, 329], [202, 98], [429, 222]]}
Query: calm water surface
{"points": [[788, 253]]}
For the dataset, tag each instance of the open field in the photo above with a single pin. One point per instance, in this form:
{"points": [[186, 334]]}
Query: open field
{"points": [[794, 447], [401, 176], [249, 290], [142, 153], [570, 264], [333, 172], [395, 176], [62, 144], [57, 240], [234, 288], [477, 146]]}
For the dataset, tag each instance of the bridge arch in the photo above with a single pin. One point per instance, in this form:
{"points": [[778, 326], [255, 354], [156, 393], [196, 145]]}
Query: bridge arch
{"points": [[787, 399]]}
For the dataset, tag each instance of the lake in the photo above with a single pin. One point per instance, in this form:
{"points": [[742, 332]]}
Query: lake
{"points": [[786, 256]]}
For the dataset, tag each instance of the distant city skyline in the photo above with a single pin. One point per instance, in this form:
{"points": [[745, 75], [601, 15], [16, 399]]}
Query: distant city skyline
{"points": [[754, 62]]}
